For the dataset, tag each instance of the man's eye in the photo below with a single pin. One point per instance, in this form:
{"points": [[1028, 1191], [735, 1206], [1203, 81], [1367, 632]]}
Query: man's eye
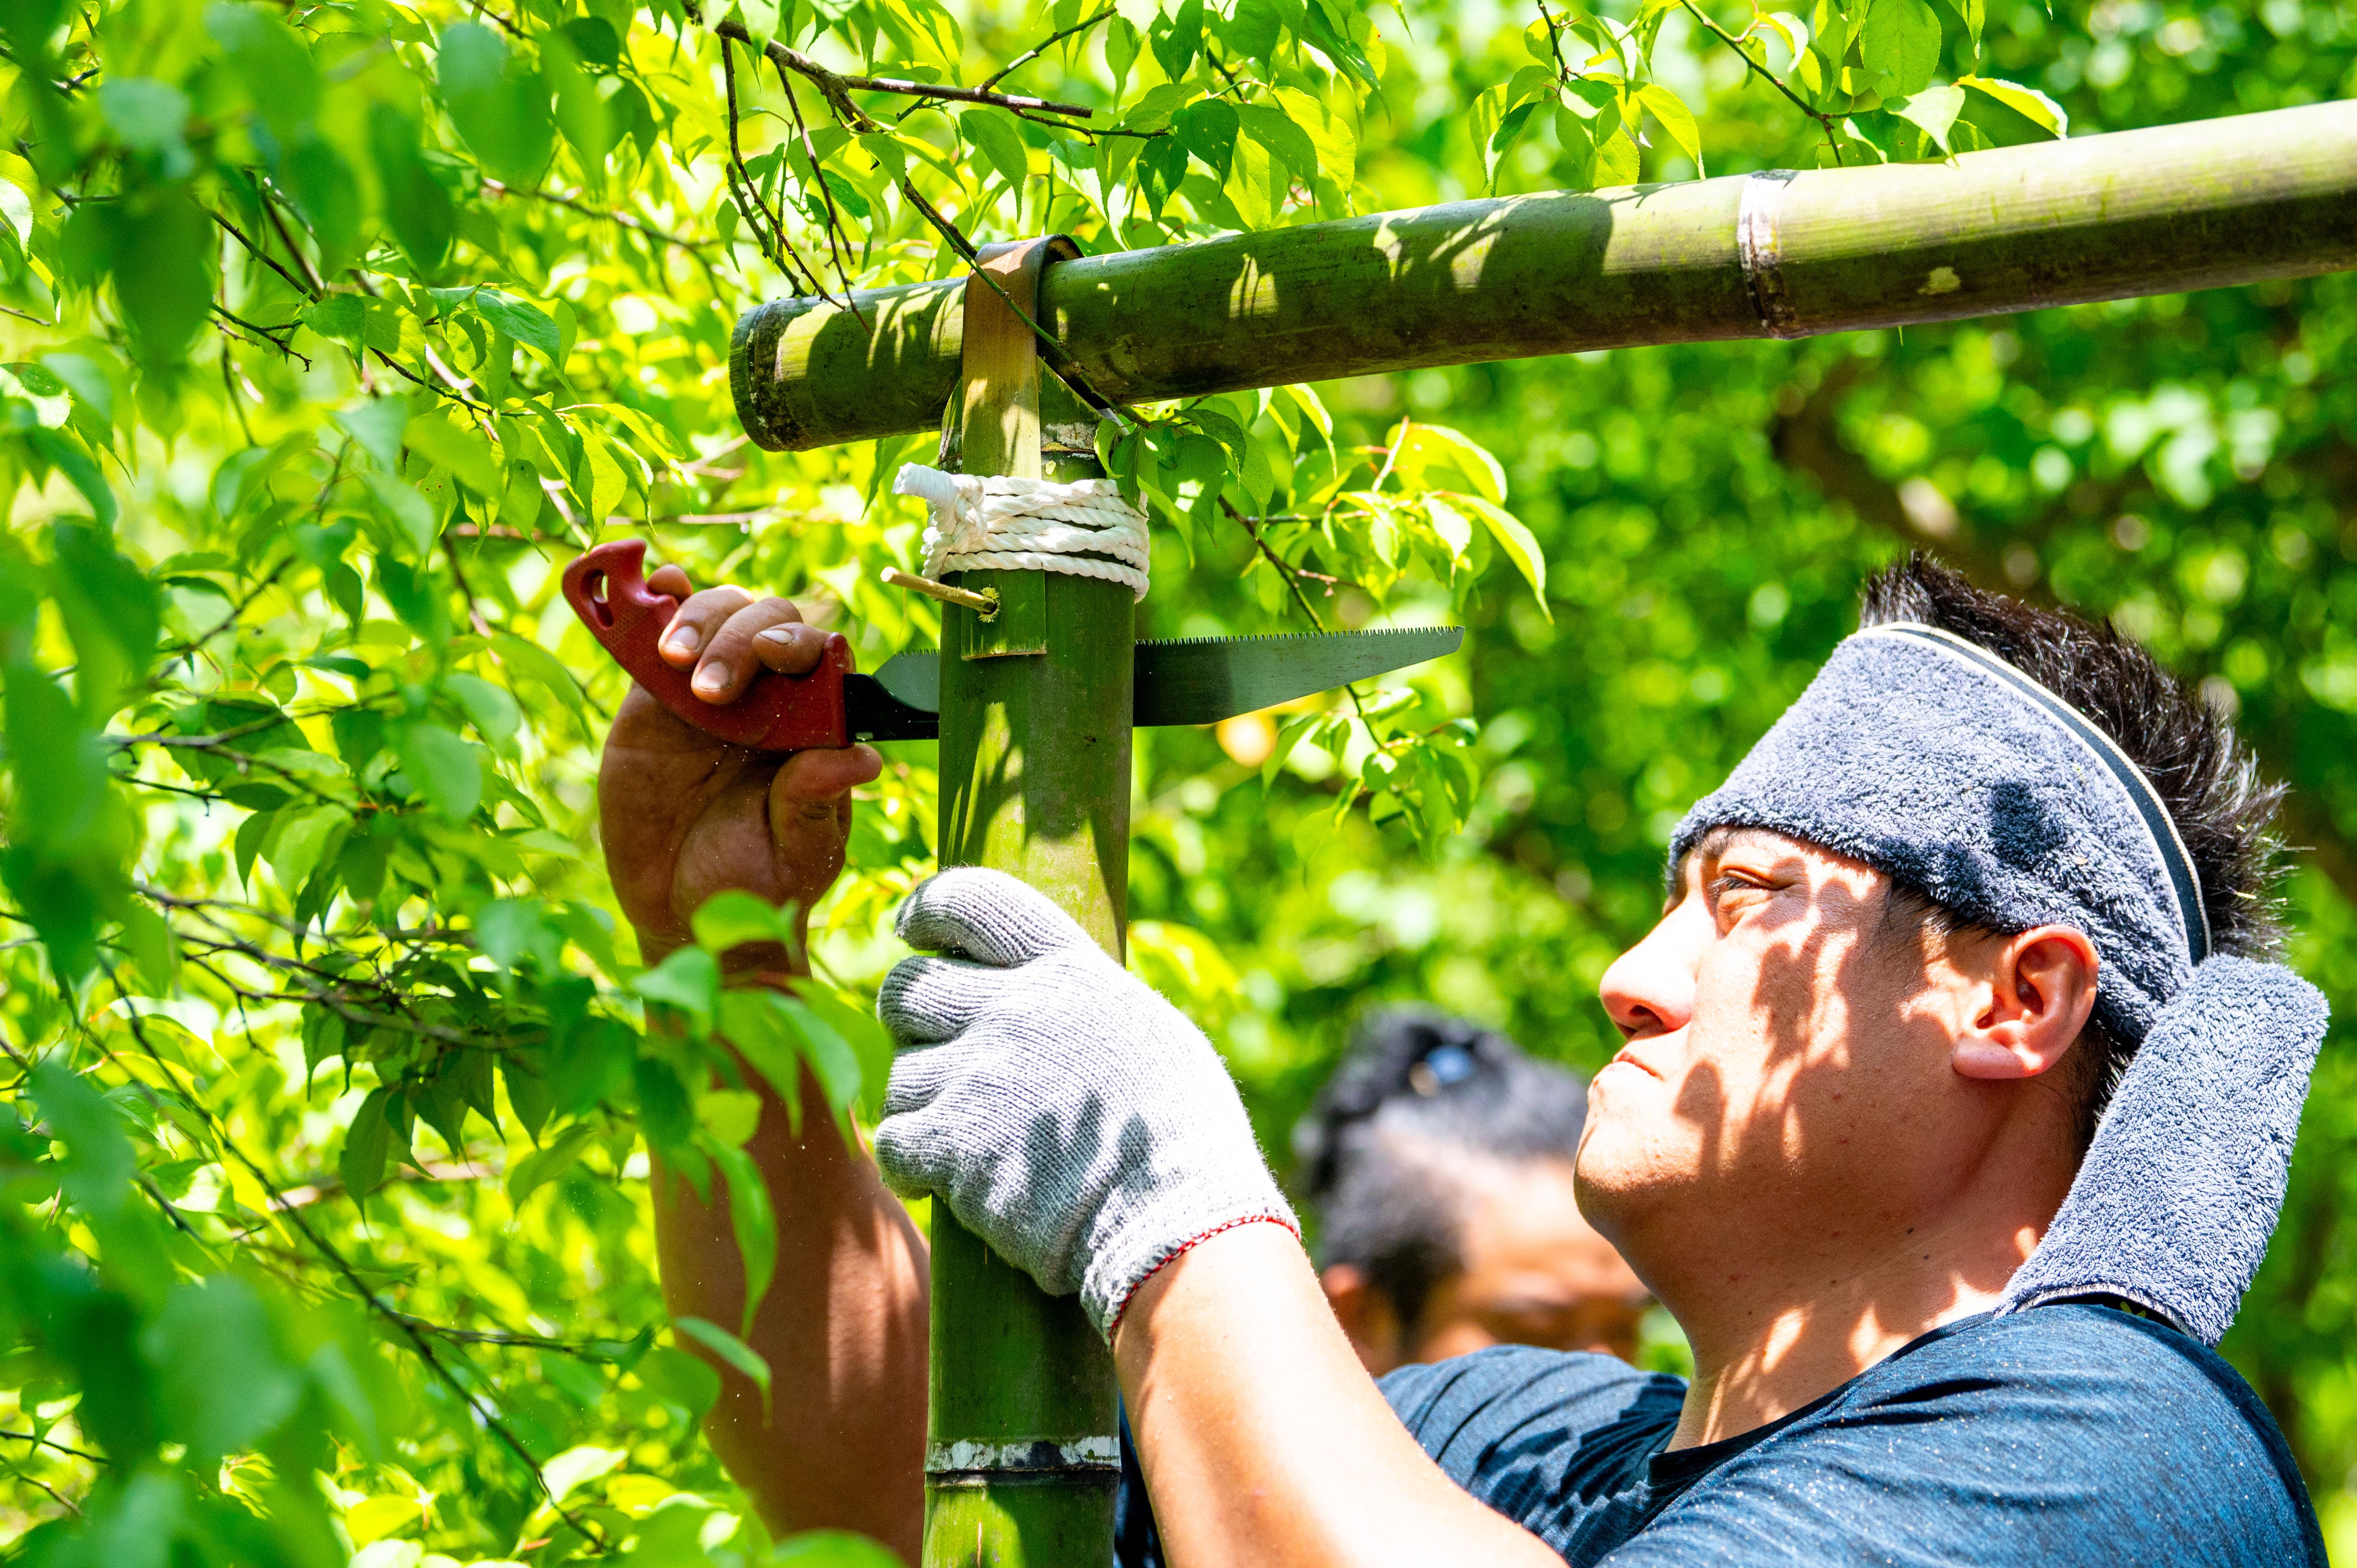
{"points": [[1734, 893]]}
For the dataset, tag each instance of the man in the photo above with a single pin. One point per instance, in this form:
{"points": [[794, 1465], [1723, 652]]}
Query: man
{"points": [[1992, 871]]}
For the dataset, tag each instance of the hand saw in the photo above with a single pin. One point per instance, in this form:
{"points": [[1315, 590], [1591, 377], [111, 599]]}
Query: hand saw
{"points": [[1191, 680]]}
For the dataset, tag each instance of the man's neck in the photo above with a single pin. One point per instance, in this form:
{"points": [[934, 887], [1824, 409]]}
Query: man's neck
{"points": [[1764, 1347]]}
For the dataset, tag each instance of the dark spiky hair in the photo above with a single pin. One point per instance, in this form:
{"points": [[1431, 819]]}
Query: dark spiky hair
{"points": [[2203, 772]]}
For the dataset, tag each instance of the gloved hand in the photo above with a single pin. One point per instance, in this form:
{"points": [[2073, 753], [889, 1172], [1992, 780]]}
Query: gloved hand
{"points": [[1070, 1117]]}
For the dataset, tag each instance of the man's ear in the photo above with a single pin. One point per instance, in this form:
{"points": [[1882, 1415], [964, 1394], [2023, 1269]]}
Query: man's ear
{"points": [[2041, 990]]}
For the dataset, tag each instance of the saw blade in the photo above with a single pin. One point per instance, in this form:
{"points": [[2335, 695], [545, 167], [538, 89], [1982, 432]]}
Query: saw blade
{"points": [[1202, 680]]}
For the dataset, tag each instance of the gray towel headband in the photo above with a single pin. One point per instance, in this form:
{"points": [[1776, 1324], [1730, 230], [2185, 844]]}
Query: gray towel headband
{"points": [[2184, 884]]}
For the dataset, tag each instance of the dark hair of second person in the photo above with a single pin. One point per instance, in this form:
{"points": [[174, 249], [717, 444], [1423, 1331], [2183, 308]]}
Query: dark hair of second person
{"points": [[1438, 1163]]}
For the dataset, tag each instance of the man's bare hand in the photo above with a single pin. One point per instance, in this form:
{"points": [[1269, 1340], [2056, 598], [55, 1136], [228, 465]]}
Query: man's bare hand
{"points": [[686, 815]]}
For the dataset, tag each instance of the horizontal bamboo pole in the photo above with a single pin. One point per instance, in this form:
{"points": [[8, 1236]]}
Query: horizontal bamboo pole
{"points": [[1781, 255]]}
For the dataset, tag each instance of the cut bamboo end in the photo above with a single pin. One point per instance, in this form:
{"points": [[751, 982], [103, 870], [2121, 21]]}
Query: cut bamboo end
{"points": [[984, 604]]}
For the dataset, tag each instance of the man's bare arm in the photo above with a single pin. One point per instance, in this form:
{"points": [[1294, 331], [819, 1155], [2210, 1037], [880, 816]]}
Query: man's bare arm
{"points": [[842, 1327], [840, 1443], [1261, 1438]]}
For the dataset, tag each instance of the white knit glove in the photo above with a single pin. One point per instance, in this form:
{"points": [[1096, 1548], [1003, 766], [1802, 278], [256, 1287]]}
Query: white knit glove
{"points": [[1070, 1117]]}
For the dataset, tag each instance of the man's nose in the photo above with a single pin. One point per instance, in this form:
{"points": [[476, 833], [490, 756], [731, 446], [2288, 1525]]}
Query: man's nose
{"points": [[1650, 989]]}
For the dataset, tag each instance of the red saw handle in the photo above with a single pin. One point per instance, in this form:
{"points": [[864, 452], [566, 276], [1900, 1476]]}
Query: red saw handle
{"points": [[608, 589]]}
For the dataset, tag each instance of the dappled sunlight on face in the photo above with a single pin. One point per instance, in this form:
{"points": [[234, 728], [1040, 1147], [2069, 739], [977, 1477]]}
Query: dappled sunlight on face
{"points": [[1785, 1096]]}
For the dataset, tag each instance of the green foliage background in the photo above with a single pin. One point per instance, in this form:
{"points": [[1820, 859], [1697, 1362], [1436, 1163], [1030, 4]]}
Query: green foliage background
{"points": [[333, 331]]}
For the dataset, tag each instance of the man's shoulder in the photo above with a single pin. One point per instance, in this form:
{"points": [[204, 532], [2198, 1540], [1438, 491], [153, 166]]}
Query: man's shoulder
{"points": [[1509, 1389], [2081, 1356], [2071, 1430]]}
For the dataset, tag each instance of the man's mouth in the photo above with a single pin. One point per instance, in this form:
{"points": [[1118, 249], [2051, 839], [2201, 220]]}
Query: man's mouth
{"points": [[1627, 1056]]}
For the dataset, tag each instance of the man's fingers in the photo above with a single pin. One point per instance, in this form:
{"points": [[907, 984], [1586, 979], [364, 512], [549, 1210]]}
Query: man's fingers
{"points": [[729, 662], [810, 809], [823, 777], [693, 623], [985, 915], [790, 648]]}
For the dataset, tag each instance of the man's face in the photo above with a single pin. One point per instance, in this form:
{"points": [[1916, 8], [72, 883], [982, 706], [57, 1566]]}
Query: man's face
{"points": [[1786, 1079]]}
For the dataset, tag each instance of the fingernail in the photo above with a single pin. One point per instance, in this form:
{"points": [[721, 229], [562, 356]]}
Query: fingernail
{"points": [[712, 678], [686, 639], [778, 634]]}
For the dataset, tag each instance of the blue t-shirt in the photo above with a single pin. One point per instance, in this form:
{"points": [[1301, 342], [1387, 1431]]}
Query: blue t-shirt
{"points": [[2071, 1435]]}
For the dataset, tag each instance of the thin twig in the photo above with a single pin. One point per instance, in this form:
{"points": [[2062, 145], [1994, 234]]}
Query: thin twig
{"points": [[1042, 47], [1824, 120], [836, 86], [259, 254], [53, 1443]]}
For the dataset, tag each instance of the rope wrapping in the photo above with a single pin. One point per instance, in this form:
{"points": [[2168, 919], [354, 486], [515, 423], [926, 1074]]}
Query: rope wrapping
{"points": [[1082, 528]]}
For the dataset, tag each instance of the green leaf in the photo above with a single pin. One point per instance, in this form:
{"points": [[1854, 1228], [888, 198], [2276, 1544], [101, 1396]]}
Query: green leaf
{"points": [[302, 841], [1933, 110], [60, 766], [509, 930], [379, 426], [490, 710], [1901, 40], [325, 188], [272, 64], [734, 918], [160, 251], [1253, 31], [460, 449], [223, 1380], [1676, 118], [446, 771], [1275, 130], [416, 209], [153, 948], [1521, 546], [1423, 447], [1331, 134], [1177, 43], [368, 1143], [732, 1351], [666, 1115], [112, 610], [871, 1048], [758, 1029], [1616, 161], [1208, 130], [526, 323], [98, 1165], [581, 112], [688, 980], [992, 133], [755, 1224], [541, 1167], [147, 115], [497, 102], [2010, 114]]}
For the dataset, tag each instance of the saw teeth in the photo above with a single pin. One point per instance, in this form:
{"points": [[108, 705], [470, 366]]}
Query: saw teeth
{"points": [[1260, 637]]}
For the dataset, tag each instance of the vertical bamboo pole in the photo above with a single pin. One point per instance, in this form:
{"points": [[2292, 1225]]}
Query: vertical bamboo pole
{"points": [[1021, 1459]]}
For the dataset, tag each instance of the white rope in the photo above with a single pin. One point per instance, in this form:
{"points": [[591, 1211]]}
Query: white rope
{"points": [[1080, 527]]}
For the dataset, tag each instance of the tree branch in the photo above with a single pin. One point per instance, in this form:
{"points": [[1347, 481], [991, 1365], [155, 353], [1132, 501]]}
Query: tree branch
{"points": [[1042, 47], [836, 87]]}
